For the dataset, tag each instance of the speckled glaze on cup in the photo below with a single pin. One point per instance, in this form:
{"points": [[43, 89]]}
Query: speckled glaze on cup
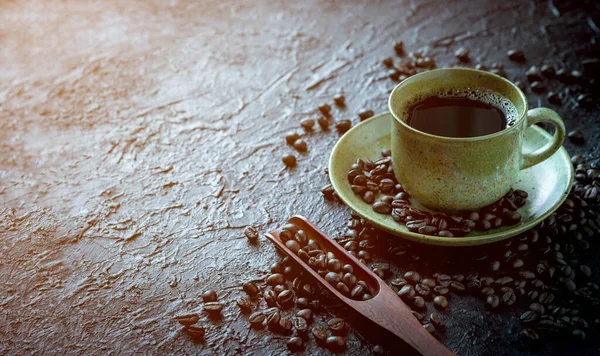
{"points": [[454, 174]]}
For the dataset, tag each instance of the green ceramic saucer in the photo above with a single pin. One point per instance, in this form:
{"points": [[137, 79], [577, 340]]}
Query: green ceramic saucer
{"points": [[547, 183]]}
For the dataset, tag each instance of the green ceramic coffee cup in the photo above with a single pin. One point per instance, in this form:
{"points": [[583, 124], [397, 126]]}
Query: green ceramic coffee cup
{"points": [[456, 174]]}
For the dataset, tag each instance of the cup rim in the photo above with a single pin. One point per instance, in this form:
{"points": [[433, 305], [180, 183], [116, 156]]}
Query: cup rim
{"points": [[460, 139]]}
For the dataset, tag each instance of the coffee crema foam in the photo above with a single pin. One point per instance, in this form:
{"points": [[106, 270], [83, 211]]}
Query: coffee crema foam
{"points": [[486, 96]]}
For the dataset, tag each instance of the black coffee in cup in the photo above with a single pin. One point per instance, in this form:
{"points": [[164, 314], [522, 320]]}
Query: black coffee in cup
{"points": [[458, 116]]}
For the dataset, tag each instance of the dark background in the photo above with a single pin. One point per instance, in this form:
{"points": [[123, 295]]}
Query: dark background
{"points": [[138, 140]]}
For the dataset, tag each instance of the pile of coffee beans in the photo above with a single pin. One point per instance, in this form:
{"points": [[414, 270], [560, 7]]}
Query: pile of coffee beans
{"points": [[542, 271], [325, 263], [292, 304], [376, 184]]}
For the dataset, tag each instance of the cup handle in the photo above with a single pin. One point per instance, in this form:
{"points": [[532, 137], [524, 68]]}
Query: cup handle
{"points": [[541, 115]]}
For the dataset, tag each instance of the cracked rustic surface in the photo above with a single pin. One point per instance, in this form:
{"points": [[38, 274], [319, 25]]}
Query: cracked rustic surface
{"points": [[138, 139]]}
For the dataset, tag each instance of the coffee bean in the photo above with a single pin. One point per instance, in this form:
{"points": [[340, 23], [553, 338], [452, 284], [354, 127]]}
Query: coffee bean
{"points": [[440, 302], [337, 326], [546, 298], [518, 263], [373, 187], [422, 289], [343, 125], [493, 301], [307, 124], [365, 114], [436, 319], [244, 304], [538, 308], [419, 302], [349, 279], [554, 98], [213, 308], [547, 70], [357, 292], [292, 137], [285, 298], [336, 343], [512, 217], [537, 283], [209, 296], [325, 109], [339, 100], [585, 270], [285, 325], [568, 284], [427, 230], [382, 208], [300, 145], [441, 290], [270, 297], [275, 279], [527, 274], [285, 235], [368, 197], [487, 280], [306, 314], [187, 320], [509, 297], [251, 233], [295, 343], [576, 137], [495, 266], [429, 327], [364, 255], [504, 280], [533, 74], [487, 291], [457, 286], [320, 334], [462, 54], [293, 245], [323, 123], [579, 334], [195, 332], [429, 282], [530, 334], [444, 280], [333, 278], [407, 292], [399, 47], [342, 288], [516, 55], [412, 276], [273, 320], [301, 325], [529, 316]]}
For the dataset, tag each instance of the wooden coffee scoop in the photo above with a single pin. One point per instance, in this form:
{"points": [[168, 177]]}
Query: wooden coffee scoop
{"points": [[385, 308]]}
